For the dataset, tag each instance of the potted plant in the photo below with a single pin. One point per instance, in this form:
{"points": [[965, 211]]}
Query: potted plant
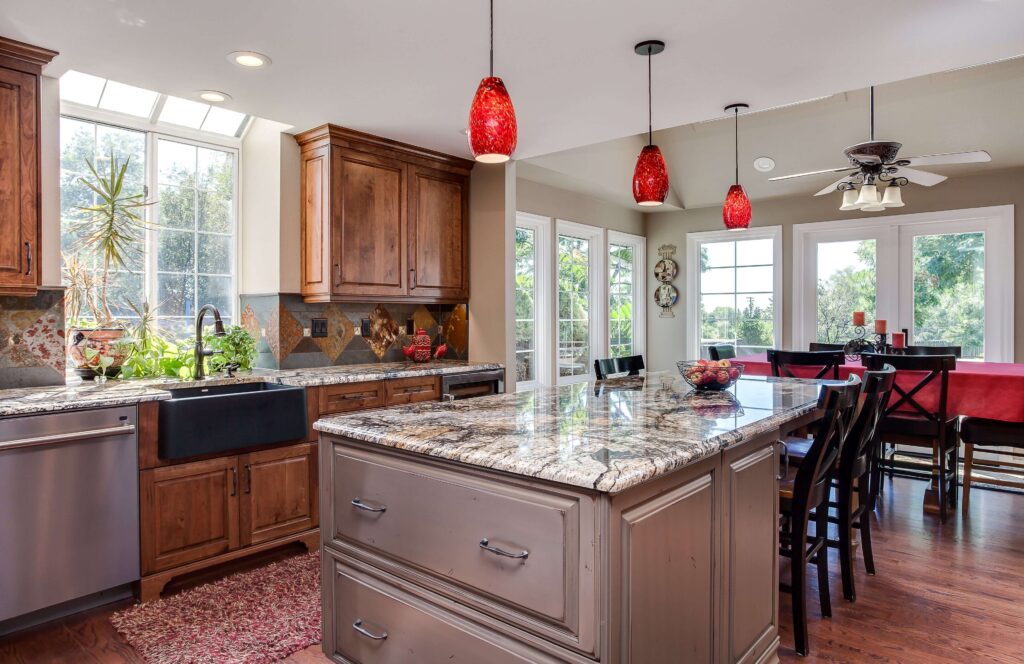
{"points": [[111, 232]]}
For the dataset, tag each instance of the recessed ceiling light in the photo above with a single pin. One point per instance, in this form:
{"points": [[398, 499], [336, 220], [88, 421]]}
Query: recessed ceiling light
{"points": [[764, 164], [214, 96], [249, 59]]}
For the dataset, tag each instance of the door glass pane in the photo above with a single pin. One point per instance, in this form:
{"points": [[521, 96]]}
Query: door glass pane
{"points": [[621, 278], [526, 304], [949, 292], [846, 283], [573, 306]]}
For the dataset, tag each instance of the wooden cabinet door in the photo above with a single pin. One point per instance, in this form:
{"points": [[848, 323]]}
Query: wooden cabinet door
{"points": [[19, 182], [438, 234], [279, 493], [315, 264], [368, 224], [189, 512]]}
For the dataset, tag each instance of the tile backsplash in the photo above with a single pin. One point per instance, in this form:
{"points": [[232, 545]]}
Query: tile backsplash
{"points": [[277, 321], [32, 341]]}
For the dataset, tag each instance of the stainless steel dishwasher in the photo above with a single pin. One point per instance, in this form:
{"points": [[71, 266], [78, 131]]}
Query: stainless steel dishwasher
{"points": [[69, 508]]}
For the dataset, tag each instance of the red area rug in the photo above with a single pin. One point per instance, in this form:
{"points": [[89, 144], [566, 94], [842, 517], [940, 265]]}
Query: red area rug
{"points": [[253, 617]]}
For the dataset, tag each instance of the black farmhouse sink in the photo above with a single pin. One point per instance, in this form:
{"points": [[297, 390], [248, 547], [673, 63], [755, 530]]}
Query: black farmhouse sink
{"points": [[222, 418]]}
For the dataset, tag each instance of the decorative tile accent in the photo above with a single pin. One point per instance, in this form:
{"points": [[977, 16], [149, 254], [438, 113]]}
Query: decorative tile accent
{"points": [[422, 318], [340, 332], [383, 331], [456, 330], [249, 322], [290, 331], [32, 339]]}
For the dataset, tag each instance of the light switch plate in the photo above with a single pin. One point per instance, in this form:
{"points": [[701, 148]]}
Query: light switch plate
{"points": [[306, 332]]}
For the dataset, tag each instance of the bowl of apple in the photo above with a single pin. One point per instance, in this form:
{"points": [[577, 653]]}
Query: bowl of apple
{"points": [[710, 374]]}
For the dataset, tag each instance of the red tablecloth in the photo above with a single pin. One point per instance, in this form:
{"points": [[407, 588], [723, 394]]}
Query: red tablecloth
{"points": [[981, 389]]}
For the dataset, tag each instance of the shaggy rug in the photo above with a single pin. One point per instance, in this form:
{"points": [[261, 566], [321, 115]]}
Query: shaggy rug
{"points": [[252, 617]]}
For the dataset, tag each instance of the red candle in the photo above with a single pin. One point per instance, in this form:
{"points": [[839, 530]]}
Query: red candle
{"points": [[899, 340], [858, 318], [880, 326]]}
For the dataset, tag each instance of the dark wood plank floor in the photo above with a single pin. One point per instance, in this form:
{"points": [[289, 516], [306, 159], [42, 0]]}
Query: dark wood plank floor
{"points": [[943, 593]]}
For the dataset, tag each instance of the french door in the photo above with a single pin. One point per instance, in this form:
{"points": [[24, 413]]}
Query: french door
{"points": [[945, 277]]}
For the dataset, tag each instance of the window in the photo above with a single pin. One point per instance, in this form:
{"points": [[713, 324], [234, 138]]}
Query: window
{"points": [[931, 274], [187, 257], [588, 283], [734, 288]]}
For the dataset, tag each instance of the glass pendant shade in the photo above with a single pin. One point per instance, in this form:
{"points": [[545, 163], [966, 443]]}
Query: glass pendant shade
{"points": [[492, 127], [736, 210], [868, 196], [650, 177], [893, 197], [849, 200]]}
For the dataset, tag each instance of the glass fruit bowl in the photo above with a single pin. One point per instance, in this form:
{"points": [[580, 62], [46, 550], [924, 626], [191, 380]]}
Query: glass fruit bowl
{"points": [[710, 374]]}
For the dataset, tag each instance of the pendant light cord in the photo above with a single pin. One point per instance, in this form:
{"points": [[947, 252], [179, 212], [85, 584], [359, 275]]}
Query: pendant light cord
{"points": [[871, 125], [736, 142], [650, 101], [492, 38]]}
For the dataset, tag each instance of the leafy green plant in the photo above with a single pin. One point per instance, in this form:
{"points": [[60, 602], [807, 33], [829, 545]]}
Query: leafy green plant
{"points": [[237, 346]]}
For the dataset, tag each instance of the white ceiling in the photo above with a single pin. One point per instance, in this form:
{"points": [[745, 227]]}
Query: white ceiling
{"points": [[967, 109], [407, 69]]}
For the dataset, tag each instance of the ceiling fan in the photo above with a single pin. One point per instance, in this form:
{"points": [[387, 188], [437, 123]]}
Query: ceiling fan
{"points": [[876, 162]]}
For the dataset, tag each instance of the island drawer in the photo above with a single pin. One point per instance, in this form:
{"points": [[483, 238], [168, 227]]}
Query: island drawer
{"points": [[519, 547], [351, 396], [373, 617], [400, 391]]}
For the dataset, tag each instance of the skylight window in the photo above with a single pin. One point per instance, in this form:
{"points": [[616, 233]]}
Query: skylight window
{"points": [[184, 112], [81, 88], [223, 121], [128, 99]]}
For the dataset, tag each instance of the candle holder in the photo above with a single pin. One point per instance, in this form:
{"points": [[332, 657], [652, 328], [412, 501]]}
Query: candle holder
{"points": [[858, 345]]}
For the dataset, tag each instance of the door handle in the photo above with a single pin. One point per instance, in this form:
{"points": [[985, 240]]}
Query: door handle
{"points": [[358, 626], [337, 274], [28, 258], [248, 478], [67, 437], [412, 277], [485, 545], [234, 481], [363, 506]]}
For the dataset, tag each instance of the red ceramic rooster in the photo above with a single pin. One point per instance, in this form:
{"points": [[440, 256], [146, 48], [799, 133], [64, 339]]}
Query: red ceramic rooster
{"points": [[419, 349]]}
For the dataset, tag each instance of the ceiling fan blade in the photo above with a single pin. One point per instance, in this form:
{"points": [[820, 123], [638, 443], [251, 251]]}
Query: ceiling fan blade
{"points": [[923, 178], [832, 187], [975, 157], [800, 175]]}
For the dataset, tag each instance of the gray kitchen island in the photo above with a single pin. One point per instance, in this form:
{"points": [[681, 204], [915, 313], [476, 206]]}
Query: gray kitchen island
{"points": [[630, 520]]}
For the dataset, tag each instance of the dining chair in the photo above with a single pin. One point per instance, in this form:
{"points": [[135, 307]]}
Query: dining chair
{"points": [[827, 361], [956, 351], [804, 496], [990, 437], [722, 351], [630, 365], [816, 347], [909, 422]]}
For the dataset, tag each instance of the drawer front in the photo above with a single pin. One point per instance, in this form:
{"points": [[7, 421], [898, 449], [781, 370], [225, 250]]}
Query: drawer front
{"points": [[440, 522], [399, 391], [351, 396], [373, 619]]}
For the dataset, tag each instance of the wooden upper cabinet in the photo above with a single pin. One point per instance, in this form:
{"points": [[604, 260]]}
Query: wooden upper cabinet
{"points": [[20, 217], [382, 220]]}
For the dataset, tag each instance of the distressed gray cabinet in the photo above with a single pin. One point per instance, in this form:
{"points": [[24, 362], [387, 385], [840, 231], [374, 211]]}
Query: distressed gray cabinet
{"points": [[456, 563]]}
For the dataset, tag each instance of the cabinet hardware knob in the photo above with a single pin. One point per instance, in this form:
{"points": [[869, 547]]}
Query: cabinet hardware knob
{"points": [[412, 278], [28, 258], [363, 506], [234, 482], [337, 274], [485, 545], [248, 478], [358, 626]]}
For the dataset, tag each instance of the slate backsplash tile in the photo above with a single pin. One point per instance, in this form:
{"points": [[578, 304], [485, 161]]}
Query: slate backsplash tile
{"points": [[32, 340], [278, 321]]}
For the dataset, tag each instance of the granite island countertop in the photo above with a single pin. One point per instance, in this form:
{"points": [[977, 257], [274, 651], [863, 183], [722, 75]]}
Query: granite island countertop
{"points": [[78, 394], [607, 436]]}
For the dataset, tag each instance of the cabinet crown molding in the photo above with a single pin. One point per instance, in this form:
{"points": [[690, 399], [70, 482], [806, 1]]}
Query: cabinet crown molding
{"points": [[368, 142], [33, 57]]}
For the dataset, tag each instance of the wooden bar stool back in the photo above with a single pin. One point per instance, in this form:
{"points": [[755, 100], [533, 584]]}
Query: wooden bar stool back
{"points": [[828, 362]]}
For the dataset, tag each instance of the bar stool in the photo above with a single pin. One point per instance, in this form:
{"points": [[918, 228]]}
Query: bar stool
{"points": [[982, 435]]}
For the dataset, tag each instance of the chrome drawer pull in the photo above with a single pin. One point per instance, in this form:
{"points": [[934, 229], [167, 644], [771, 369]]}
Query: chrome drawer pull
{"points": [[358, 626], [363, 506], [484, 544]]}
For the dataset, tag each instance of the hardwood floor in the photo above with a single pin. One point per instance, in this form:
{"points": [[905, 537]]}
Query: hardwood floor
{"points": [[943, 593]]}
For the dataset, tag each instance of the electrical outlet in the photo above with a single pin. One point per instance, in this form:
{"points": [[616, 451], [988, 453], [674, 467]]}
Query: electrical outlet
{"points": [[364, 327], [319, 327]]}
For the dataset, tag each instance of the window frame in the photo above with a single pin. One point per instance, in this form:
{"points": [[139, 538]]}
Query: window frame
{"points": [[597, 275], [542, 228], [639, 245], [693, 244]]}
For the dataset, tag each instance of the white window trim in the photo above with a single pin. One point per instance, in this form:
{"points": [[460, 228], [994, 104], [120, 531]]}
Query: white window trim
{"points": [[693, 242], [598, 277], [543, 265], [639, 244], [995, 221], [123, 120]]}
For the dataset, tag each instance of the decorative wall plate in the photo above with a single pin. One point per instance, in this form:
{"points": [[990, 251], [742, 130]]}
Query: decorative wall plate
{"points": [[665, 270], [666, 296]]}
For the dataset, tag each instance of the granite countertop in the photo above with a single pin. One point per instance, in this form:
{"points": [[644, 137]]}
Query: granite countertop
{"points": [[82, 395], [607, 436]]}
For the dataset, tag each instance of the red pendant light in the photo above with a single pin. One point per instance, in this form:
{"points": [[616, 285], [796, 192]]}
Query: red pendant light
{"points": [[492, 127], [650, 177], [736, 210]]}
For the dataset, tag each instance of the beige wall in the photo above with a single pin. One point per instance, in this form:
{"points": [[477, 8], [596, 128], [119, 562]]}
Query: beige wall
{"points": [[49, 166], [549, 201], [269, 210], [666, 337]]}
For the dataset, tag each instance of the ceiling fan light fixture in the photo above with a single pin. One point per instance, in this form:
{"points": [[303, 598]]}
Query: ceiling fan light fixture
{"points": [[849, 199], [492, 129], [868, 196], [893, 197]]}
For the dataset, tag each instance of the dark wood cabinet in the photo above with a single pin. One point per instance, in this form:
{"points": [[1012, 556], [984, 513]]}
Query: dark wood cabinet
{"points": [[279, 493], [20, 216], [382, 220]]}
